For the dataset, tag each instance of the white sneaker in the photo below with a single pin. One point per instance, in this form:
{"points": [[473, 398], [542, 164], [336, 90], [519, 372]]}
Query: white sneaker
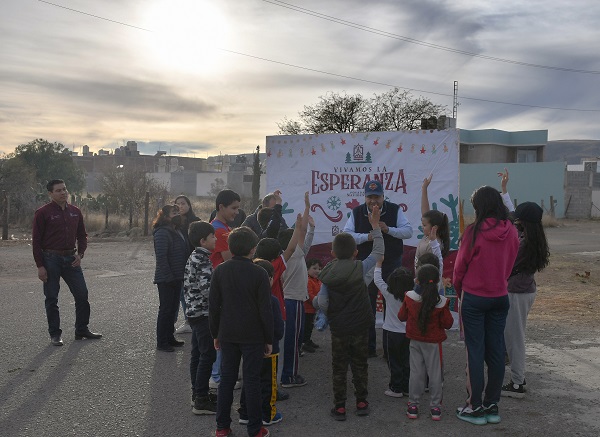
{"points": [[185, 328], [392, 394], [212, 383]]}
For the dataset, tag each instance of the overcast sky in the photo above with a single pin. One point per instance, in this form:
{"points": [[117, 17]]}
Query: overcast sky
{"points": [[164, 72]]}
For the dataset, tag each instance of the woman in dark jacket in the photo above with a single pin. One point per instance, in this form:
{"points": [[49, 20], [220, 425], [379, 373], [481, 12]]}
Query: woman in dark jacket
{"points": [[171, 251], [187, 216]]}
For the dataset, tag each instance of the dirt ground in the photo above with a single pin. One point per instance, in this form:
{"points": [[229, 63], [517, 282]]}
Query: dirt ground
{"points": [[134, 391]]}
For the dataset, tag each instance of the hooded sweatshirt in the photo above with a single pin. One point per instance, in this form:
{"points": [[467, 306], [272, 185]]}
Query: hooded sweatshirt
{"points": [[483, 269]]}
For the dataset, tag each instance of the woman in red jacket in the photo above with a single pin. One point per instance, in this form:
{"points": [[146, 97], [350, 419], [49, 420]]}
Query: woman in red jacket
{"points": [[484, 262]]}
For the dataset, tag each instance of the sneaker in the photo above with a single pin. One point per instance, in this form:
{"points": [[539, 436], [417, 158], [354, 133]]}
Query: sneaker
{"points": [[513, 390], [282, 395], [276, 419], [193, 399], [56, 340], [436, 413], [393, 394], [185, 328], [412, 412], [339, 413], [223, 432], [212, 383], [362, 408], [475, 416], [204, 405], [294, 381], [491, 413], [264, 432], [176, 343], [306, 347]]}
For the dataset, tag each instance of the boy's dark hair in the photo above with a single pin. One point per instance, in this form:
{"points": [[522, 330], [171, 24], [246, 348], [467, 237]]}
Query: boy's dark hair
{"points": [[284, 237], [226, 198], [312, 261], [264, 216], [399, 282], [428, 277], [50, 185], [428, 258], [265, 265], [241, 241], [343, 246], [199, 231], [268, 248]]}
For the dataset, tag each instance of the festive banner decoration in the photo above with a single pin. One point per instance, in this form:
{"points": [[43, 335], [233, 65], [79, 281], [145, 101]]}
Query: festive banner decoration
{"points": [[333, 168]]}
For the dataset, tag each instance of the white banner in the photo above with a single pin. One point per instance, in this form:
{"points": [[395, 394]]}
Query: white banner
{"points": [[333, 168]]}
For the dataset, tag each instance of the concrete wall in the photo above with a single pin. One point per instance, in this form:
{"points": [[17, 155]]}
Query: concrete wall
{"points": [[534, 182], [581, 188]]}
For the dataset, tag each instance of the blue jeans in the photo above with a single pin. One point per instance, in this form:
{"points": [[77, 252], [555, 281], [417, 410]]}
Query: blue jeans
{"points": [[231, 354], [168, 296], [292, 339], [203, 355], [484, 319], [183, 306], [57, 267]]}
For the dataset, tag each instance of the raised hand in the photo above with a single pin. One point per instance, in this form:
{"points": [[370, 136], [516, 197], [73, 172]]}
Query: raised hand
{"points": [[277, 195], [427, 181], [374, 217], [504, 180]]}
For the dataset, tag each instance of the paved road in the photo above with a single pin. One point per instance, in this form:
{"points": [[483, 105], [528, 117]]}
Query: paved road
{"points": [[120, 386]]}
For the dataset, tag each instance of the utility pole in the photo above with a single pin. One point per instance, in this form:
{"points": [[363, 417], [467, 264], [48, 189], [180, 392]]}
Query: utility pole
{"points": [[455, 102]]}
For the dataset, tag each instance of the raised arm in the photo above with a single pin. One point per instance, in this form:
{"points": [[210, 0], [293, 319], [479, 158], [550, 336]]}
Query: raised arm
{"points": [[378, 245], [424, 198], [505, 196]]}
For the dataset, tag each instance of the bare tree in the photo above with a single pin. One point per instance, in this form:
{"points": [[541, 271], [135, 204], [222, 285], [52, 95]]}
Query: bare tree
{"points": [[389, 111]]}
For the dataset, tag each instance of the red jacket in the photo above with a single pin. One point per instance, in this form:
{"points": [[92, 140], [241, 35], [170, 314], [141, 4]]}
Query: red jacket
{"points": [[484, 269], [314, 285], [440, 320]]}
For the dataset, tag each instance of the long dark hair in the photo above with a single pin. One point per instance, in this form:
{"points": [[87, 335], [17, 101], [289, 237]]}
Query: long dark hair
{"points": [[428, 278], [188, 216], [536, 254], [439, 219], [487, 203], [163, 217], [399, 282]]}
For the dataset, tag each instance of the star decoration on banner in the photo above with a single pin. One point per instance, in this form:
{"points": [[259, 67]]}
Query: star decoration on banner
{"points": [[376, 142], [388, 144], [314, 152], [343, 141], [323, 148], [422, 150], [433, 151], [400, 148], [332, 145], [412, 149], [268, 153], [445, 148]]}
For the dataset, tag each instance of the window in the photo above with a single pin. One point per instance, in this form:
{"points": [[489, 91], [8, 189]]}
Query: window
{"points": [[526, 155]]}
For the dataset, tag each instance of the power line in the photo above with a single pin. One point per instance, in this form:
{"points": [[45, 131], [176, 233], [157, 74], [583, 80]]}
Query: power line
{"points": [[339, 75], [401, 87], [94, 16], [420, 42]]}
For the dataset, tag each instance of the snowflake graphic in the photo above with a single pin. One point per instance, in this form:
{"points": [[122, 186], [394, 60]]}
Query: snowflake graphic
{"points": [[334, 203]]}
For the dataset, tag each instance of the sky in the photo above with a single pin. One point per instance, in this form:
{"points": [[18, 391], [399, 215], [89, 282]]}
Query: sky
{"points": [[199, 78]]}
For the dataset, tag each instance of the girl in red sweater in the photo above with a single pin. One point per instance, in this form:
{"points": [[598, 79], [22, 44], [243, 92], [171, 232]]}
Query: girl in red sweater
{"points": [[427, 317], [314, 266]]}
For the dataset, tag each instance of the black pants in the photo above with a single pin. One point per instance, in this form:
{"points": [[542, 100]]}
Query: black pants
{"points": [[168, 296], [309, 323], [268, 389], [398, 355]]}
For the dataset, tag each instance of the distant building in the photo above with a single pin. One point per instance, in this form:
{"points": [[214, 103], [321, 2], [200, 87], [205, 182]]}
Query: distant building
{"points": [[582, 193]]}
